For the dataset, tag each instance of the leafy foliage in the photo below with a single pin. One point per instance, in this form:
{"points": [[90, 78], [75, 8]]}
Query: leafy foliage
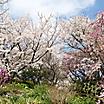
{"points": [[81, 100]]}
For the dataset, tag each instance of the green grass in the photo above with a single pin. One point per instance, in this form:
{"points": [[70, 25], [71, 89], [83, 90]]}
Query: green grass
{"points": [[20, 93]]}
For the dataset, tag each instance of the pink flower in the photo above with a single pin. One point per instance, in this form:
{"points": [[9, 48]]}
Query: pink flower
{"points": [[4, 76]]}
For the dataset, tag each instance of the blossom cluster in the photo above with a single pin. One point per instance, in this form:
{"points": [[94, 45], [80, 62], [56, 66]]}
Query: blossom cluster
{"points": [[4, 76]]}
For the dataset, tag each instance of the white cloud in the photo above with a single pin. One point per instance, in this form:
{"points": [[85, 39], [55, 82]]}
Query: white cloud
{"points": [[56, 7]]}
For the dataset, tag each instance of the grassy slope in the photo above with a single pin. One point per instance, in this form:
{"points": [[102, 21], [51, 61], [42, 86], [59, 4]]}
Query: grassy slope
{"points": [[19, 93]]}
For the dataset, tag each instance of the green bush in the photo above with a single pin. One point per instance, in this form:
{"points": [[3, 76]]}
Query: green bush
{"points": [[80, 100], [36, 75], [85, 88]]}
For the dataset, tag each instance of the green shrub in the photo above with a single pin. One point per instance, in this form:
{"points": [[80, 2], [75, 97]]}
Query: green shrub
{"points": [[85, 88], [36, 75], [80, 100]]}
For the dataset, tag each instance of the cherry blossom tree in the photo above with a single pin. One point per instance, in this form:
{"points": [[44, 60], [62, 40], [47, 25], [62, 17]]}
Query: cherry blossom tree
{"points": [[24, 43], [84, 37], [84, 63]]}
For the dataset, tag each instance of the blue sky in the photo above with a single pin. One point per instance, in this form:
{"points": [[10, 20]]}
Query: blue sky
{"points": [[93, 10], [60, 8]]}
